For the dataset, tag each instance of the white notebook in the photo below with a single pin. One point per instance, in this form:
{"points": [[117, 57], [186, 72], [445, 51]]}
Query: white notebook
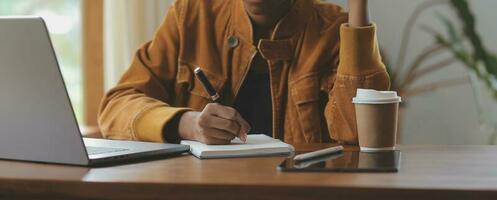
{"points": [[256, 145]]}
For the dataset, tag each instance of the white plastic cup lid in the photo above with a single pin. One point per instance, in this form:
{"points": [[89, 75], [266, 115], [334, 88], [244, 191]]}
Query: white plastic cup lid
{"points": [[368, 96]]}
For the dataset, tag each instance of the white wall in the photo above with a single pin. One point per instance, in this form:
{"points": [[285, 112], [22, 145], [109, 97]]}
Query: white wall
{"points": [[446, 116]]}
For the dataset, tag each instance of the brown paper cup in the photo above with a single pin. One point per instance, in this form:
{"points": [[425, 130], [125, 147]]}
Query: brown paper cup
{"points": [[377, 115], [377, 126]]}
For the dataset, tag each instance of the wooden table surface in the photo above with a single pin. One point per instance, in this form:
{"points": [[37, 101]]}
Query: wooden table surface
{"points": [[427, 172]]}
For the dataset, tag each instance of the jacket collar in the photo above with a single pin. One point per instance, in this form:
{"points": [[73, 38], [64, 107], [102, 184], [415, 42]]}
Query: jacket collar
{"points": [[290, 24]]}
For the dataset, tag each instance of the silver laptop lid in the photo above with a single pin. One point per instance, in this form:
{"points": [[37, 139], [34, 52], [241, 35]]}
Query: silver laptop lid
{"points": [[37, 122]]}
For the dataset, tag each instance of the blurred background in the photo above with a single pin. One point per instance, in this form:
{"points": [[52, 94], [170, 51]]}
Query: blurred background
{"points": [[455, 107], [442, 60], [64, 20]]}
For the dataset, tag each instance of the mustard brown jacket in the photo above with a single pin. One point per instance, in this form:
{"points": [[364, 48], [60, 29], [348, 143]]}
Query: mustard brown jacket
{"points": [[316, 63]]}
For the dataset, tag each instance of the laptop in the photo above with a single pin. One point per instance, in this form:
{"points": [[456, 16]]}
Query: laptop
{"points": [[37, 122]]}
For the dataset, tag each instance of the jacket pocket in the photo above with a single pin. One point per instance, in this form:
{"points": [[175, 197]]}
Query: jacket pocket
{"points": [[305, 94], [196, 96]]}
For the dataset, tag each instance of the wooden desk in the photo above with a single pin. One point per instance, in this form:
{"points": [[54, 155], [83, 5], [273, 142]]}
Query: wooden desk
{"points": [[427, 172]]}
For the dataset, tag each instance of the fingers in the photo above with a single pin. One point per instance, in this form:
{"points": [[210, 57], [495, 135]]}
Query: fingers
{"points": [[218, 124], [211, 130], [358, 13], [216, 134], [244, 127], [221, 111], [215, 141], [229, 113], [212, 121]]}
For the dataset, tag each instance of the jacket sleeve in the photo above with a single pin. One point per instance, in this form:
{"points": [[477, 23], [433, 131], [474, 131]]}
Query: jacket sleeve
{"points": [[360, 66], [139, 107]]}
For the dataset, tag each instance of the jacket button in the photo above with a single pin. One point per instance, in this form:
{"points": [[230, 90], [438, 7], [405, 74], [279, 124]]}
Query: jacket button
{"points": [[233, 41]]}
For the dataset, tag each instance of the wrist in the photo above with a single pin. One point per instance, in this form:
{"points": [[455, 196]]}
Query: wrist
{"points": [[359, 13], [186, 125]]}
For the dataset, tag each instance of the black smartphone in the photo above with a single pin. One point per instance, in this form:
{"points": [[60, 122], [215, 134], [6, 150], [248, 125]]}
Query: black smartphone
{"points": [[346, 161]]}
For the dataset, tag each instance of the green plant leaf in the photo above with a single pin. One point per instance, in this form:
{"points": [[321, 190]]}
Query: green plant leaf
{"points": [[454, 37], [469, 26]]}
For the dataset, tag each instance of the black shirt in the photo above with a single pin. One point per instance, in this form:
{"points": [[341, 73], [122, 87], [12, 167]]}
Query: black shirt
{"points": [[253, 101]]}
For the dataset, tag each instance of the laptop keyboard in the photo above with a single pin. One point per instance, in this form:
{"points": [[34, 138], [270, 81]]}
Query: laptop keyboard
{"points": [[100, 150]]}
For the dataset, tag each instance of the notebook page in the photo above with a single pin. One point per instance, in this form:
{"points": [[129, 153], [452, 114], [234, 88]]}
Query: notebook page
{"points": [[253, 142]]}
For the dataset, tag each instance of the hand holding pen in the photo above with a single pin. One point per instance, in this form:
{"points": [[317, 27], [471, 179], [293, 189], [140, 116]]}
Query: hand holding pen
{"points": [[216, 124]]}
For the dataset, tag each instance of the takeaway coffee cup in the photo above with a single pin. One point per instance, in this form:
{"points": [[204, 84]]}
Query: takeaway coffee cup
{"points": [[376, 114]]}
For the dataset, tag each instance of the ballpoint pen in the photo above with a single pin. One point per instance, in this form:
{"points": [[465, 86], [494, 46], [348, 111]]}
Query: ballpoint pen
{"points": [[207, 85], [314, 154]]}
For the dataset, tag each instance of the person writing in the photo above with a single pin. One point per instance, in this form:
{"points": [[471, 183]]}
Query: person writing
{"points": [[285, 68]]}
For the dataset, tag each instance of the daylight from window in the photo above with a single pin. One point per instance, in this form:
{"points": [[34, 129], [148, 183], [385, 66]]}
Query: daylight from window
{"points": [[63, 18]]}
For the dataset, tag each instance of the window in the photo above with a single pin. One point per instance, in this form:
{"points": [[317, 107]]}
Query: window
{"points": [[64, 21]]}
